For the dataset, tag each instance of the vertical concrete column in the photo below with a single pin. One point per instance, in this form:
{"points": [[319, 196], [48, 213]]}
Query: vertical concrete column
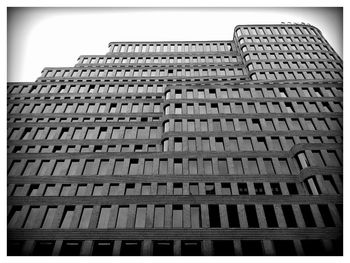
{"points": [[76, 216], [207, 248], [261, 216], [113, 217], [205, 215], [28, 247], [268, 248], [177, 247], [146, 249], [86, 248], [223, 216], [298, 216], [149, 216], [57, 247], [237, 247], [242, 216], [94, 216], [187, 216], [116, 247], [280, 216], [298, 247], [131, 216]]}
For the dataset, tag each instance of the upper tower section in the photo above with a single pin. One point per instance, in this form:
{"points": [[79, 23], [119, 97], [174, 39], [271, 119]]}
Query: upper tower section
{"points": [[287, 52]]}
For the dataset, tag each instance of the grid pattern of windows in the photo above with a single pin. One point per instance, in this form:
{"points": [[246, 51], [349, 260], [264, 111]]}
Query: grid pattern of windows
{"points": [[181, 148], [291, 52]]}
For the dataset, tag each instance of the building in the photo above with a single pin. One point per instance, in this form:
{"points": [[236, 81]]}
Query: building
{"points": [[181, 148]]}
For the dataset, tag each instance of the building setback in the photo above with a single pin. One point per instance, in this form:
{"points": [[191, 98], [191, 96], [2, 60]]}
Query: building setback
{"points": [[181, 148]]}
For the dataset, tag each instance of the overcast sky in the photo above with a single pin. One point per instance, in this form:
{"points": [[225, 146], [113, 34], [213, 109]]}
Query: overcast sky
{"points": [[55, 37]]}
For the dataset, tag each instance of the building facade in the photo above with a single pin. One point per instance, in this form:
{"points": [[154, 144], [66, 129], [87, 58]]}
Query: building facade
{"points": [[181, 148]]}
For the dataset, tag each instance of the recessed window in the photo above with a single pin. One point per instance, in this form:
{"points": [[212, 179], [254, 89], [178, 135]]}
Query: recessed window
{"points": [[130, 248]]}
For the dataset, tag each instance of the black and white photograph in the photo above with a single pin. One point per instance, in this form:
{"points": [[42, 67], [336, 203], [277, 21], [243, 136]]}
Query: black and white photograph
{"points": [[174, 131]]}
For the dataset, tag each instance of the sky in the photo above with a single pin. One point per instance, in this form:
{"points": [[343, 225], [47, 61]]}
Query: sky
{"points": [[56, 37]]}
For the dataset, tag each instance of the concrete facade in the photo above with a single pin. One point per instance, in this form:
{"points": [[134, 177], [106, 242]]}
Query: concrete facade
{"points": [[181, 148]]}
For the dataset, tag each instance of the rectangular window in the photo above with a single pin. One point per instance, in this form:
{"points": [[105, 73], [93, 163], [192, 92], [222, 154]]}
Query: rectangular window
{"points": [[237, 166], [177, 166], [214, 216], [222, 166], [148, 167], [177, 216], [289, 216], [122, 216], [194, 189], [159, 214], [71, 248], [232, 214], [192, 163], [67, 217], [163, 166], [104, 217], [270, 216], [140, 221], [225, 188], [252, 166], [133, 167], [252, 217], [307, 215], [85, 217], [32, 217], [326, 215], [208, 167]]}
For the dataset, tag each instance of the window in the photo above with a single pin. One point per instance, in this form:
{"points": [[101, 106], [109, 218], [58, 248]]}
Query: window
{"points": [[226, 189], [71, 248], [194, 190], [163, 248], [122, 216], [178, 109], [190, 248], [242, 188], [159, 215], [289, 216], [269, 166], [209, 189], [177, 187], [67, 217], [214, 216], [32, 216], [270, 216], [130, 248], [307, 215], [251, 216], [177, 216], [104, 217], [140, 221], [43, 248], [326, 215], [312, 247], [251, 248], [178, 144], [85, 217], [133, 167], [208, 167], [222, 166], [237, 166], [292, 188], [252, 166], [223, 248], [195, 212], [102, 248], [177, 166], [284, 247]]}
